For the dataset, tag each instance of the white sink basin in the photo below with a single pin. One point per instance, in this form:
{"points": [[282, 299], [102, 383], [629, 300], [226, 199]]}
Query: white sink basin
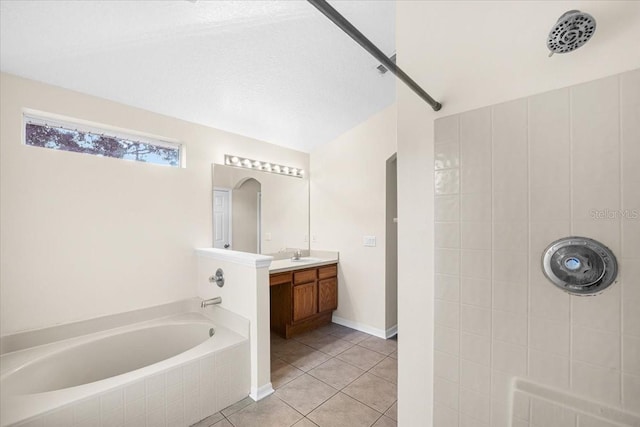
{"points": [[307, 259]]}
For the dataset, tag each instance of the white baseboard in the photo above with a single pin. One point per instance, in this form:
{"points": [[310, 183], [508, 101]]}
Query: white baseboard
{"points": [[391, 331], [261, 392], [380, 333]]}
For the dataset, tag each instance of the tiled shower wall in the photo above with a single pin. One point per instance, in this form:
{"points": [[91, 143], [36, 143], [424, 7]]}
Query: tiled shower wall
{"points": [[510, 179]]}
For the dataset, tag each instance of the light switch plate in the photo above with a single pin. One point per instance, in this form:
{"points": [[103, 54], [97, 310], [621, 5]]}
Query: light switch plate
{"points": [[369, 240], [267, 237]]}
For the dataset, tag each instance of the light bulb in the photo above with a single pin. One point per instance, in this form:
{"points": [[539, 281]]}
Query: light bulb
{"points": [[257, 164], [285, 170], [235, 160], [247, 163], [276, 168], [294, 171], [301, 172]]}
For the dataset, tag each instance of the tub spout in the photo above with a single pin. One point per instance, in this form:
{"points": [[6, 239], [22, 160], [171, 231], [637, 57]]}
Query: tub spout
{"points": [[206, 302]]}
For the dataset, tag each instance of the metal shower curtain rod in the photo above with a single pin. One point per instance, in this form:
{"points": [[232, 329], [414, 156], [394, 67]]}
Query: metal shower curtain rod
{"points": [[346, 26]]}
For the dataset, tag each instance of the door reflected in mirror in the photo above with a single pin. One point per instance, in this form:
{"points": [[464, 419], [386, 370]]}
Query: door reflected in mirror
{"points": [[259, 212]]}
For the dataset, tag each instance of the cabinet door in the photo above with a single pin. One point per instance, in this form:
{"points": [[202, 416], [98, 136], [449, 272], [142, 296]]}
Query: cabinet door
{"points": [[305, 301], [328, 294]]}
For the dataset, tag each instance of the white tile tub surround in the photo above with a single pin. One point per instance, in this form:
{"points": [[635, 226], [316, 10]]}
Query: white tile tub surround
{"points": [[179, 390], [180, 396], [510, 179], [540, 406]]}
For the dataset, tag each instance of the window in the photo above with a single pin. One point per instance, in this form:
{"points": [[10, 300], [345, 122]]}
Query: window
{"points": [[41, 131]]}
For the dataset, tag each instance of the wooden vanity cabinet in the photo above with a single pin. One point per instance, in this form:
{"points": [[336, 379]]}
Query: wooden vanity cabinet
{"points": [[328, 294], [302, 300], [305, 301]]}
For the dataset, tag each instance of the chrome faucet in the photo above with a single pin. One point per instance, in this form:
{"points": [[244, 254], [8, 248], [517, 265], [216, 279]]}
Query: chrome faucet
{"points": [[296, 254], [206, 302]]}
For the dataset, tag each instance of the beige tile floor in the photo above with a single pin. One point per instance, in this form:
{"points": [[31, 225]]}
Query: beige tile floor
{"points": [[331, 377]]}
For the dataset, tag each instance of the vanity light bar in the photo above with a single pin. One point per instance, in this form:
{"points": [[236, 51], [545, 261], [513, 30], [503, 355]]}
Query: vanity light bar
{"points": [[243, 162]]}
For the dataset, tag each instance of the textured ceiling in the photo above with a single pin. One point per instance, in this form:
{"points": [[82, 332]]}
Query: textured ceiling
{"points": [[278, 71]]}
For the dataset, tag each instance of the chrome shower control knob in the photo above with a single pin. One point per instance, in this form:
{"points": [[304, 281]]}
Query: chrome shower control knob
{"points": [[572, 263], [217, 278], [579, 265]]}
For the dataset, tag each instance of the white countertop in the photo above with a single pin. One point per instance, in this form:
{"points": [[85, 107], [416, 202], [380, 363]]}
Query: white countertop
{"points": [[281, 265]]}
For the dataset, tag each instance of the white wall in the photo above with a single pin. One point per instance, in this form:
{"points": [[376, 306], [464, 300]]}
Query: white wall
{"points": [[84, 236], [415, 261], [467, 72], [347, 203], [511, 179]]}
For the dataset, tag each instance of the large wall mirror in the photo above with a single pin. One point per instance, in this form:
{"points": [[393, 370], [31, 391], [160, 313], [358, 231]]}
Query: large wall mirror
{"points": [[259, 212]]}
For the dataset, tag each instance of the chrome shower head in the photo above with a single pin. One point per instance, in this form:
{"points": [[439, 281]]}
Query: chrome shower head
{"points": [[573, 29]]}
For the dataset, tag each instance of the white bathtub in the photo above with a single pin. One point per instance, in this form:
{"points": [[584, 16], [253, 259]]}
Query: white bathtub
{"points": [[162, 371]]}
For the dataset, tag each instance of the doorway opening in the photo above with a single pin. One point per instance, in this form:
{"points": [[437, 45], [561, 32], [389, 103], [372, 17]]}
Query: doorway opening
{"points": [[237, 216], [391, 248], [246, 216], [222, 238]]}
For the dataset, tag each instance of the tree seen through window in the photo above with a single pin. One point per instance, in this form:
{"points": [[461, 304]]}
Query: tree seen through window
{"points": [[59, 138]]}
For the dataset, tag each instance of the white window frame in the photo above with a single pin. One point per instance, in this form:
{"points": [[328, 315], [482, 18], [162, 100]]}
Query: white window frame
{"points": [[41, 118]]}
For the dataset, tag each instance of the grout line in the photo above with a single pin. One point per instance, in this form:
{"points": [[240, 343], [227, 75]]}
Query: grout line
{"points": [[382, 415], [305, 418], [622, 237], [492, 168], [459, 302], [529, 251], [320, 404], [472, 414], [599, 366], [529, 246], [571, 225], [368, 406], [303, 415]]}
